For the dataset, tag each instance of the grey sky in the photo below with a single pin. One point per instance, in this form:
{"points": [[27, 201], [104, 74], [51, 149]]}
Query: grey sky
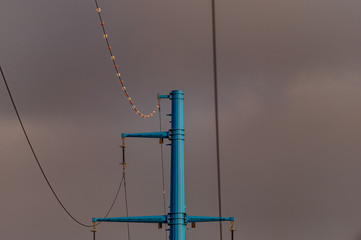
{"points": [[289, 88]]}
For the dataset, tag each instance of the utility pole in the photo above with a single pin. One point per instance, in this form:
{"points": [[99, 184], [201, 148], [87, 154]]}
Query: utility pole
{"points": [[177, 218]]}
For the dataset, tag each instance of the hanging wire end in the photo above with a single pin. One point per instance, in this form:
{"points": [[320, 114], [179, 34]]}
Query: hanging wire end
{"points": [[94, 228], [232, 227], [124, 164]]}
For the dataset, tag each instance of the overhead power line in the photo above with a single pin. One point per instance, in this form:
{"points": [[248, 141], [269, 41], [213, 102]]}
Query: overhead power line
{"points": [[112, 57], [41, 168], [162, 162], [124, 164], [215, 76]]}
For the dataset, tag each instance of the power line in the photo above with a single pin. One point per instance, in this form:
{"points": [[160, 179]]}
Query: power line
{"points": [[215, 75], [126, 206], [162, 161], [125, 186], [112, 57], [41, 168], [114, 200]]}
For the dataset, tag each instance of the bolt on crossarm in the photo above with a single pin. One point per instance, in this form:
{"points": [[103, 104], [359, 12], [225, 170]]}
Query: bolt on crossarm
{"points": [[177, 218]]}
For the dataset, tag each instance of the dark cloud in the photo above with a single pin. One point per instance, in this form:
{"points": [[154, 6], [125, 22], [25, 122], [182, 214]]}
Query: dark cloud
{"points": [[289, 84]]}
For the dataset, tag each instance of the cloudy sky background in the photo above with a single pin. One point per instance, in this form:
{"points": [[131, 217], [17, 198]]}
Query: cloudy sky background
{"points": [[289, 98]]}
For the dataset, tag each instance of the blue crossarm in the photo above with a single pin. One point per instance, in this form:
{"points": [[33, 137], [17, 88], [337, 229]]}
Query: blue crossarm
{"points": [[138, 219], [208, 219], [147, 135]]}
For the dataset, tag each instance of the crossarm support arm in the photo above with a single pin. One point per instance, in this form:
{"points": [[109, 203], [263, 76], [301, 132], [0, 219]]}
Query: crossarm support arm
{"points": [[147, 135], [194, 219], [138, 219]]}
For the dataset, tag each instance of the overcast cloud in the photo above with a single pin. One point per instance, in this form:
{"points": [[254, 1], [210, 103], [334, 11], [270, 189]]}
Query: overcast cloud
{"points": [[289, 89]]}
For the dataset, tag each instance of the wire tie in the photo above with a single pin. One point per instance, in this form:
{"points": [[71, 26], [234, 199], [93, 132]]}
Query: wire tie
{"points": [[94, 228], [232, 228]]}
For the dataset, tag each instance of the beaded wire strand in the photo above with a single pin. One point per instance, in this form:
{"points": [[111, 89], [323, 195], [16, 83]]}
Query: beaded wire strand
{"points": [[112, 57]]}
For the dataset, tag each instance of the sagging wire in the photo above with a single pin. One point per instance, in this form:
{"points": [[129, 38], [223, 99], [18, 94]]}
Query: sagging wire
{"points": [[41, 168], [112, 57], [124, 164]]}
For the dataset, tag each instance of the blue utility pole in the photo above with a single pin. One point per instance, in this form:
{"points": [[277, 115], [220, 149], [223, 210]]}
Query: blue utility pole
{"points": [[177, 218]]}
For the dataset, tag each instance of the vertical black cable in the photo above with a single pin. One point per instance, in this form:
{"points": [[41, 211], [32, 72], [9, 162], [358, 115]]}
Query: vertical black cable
{"points": [[162, 160], [126, 206], [125, 189], [215, 75]]}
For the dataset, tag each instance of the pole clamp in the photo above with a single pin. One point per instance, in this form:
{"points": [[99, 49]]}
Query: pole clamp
{"points": [[171, 217]]}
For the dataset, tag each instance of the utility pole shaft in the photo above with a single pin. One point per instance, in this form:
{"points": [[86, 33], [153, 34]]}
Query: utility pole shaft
{"points": [[177, 215], [177, 218]]}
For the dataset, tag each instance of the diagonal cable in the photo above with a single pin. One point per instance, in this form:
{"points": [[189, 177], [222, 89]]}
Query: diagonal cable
{"points": [[215, 76], [41, 168], [112, 57]]}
